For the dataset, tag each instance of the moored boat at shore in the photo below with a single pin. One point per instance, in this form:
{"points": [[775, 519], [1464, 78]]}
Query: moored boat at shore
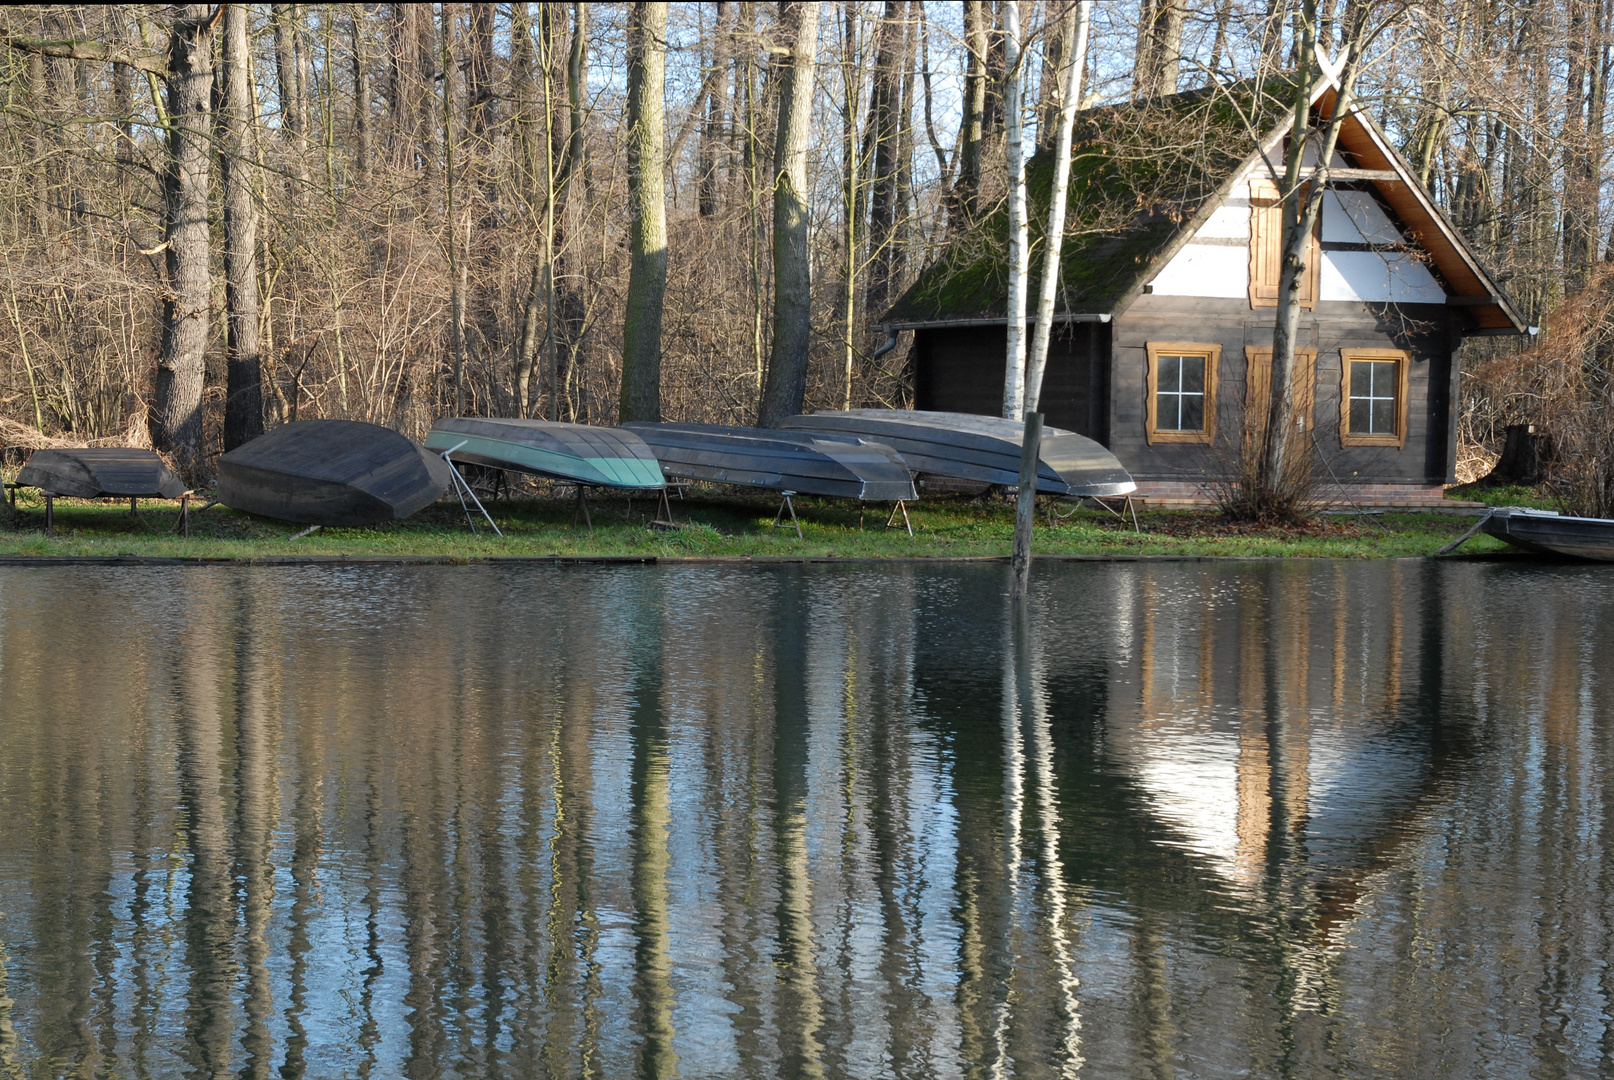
{"points": [[1551, 533], [842, 467], [600, 456], [332, 472], [983, 449]]}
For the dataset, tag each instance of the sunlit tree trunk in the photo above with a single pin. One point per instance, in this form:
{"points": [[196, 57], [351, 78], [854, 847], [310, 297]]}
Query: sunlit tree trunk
{"points": [[1073, 38], [786, 385], [647, 243], [243, 402], [1019, 255], [176, 421]]}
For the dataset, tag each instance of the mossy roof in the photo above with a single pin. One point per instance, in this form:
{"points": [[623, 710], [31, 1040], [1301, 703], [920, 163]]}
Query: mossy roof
{"points": [[1139, 173]]}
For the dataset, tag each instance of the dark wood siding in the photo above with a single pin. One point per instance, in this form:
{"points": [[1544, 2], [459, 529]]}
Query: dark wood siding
{"points": [[1423, 330], [961, 370]]}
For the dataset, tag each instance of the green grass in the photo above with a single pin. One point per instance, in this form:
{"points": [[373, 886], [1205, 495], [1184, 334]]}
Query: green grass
{"points": [[713, 525], [1505, 495]]}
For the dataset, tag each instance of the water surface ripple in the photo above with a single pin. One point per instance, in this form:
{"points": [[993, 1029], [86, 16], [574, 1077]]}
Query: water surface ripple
{"points": [[1305, 819]]}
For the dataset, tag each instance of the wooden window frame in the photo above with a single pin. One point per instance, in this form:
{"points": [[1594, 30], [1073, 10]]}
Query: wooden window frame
{"points": [[1258, 381], [1213, 357], [1403, 361], [1266, 249]]}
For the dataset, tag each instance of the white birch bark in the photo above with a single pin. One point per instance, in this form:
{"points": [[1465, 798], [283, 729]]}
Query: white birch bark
{"points": [[1076, 23], [1019, 256]]}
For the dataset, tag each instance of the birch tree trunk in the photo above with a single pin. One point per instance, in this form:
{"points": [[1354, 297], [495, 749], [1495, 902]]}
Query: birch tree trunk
{"points": [[243, 401], [1074, 39], [176, 415], [1019, 257], [786, 384], [1077, 21], [647, 241]]}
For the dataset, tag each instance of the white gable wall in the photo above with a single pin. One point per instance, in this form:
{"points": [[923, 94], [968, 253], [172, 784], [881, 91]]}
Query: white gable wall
{"points": [[1216, 262]]}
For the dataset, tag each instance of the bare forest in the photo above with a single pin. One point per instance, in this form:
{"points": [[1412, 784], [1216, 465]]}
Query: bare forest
{"points": [[215, 219]]}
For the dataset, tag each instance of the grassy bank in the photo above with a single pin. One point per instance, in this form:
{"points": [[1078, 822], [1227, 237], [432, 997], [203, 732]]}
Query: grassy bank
{"points": [[714, 524]]}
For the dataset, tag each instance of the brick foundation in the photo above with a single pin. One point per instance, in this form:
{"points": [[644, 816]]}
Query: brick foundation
{"points": [[1168, 493]]}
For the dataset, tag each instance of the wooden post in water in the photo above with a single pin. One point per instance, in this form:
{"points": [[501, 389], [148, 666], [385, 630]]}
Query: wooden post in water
{"points": [[1025, 503]]}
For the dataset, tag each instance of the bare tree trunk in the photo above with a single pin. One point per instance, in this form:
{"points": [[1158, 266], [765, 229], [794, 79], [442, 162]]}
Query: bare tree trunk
{"points": [[293, 94], [852, 87], [363, 128], [971, 132], [713, 137], [456, 259], [1073, 37], [792, 261], [647, 274], [176, 416], [1159, 48], [1076, 24], [1279, 443], [885, 105], [243, 401], [1019, 257]]}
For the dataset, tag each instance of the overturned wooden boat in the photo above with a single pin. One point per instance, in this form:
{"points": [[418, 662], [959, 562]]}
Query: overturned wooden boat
{"points": [[837, 466], [1548, 532], [600, 456], [101, 472], [984, 449], [332, 472]]}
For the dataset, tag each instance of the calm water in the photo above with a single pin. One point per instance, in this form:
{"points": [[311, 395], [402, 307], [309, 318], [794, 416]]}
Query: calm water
{"points": [[1305, 819]]}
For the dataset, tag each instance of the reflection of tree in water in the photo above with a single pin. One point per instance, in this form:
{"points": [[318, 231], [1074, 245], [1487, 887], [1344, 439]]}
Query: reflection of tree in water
{"points": [[1178, 799]]}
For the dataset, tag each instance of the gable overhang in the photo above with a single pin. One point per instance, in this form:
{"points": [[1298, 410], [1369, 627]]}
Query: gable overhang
{"points": [[1486, 309]]}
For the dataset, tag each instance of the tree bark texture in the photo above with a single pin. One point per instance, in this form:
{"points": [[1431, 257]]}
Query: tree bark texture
{"points": [[889, 123], [243, 401], [1074, 37], [714, 137], [647, 240], [176, 415], [786, 387], [1159, 48], [292, 82], [971, 131], [1014, 386]]}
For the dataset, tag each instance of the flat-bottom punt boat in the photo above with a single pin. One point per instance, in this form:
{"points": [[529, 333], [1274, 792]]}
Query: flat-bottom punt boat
{"points": [[332, 472], [841, 467], [601, 456], [985, 449], [1548, 532], [101, 472]]}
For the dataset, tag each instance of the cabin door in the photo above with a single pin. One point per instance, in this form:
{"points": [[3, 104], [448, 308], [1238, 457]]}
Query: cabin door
{"points": [[1258, 387]]}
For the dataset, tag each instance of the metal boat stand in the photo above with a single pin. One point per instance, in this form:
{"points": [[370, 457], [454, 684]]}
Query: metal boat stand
{"points": [[1128, 509], [900, 508], [783, 506], [664, 510], [582, 507], [183, 525], [462, 489], [50, 513]]}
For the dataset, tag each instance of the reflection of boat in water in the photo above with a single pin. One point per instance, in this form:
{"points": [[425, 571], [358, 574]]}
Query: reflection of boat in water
{"points": [[840, 467], [1549, 533], [985, 449], [101, 472], [332, 472], [602, 456]]}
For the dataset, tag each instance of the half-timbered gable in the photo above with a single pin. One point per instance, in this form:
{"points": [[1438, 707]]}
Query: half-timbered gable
{"points": [[1168, 294]]}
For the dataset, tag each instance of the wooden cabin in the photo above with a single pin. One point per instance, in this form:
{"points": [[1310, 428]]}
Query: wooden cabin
{"points": [[1168, 293]]}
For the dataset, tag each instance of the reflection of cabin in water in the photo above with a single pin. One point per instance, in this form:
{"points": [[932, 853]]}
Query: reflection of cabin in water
{"points": [[1169, 289]]}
